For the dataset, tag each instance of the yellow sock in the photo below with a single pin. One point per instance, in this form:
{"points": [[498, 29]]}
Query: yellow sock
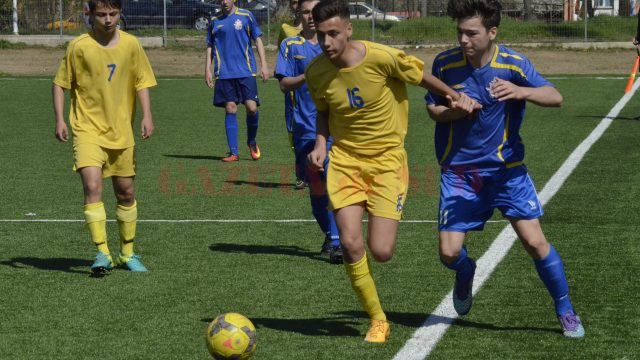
{"points": [[127, 218], [96, 219], [362, 282]]}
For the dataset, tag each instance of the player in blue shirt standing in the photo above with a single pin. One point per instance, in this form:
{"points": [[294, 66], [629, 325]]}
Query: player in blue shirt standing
{"points": [[229, 39], [294, 56], [482, 156]]}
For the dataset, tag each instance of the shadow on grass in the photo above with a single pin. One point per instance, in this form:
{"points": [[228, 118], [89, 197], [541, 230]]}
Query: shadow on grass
{"points": [[194, 157], [265, 184], [418, 319], [604, 116], [346, 323], [311, 327], [53, 264], [267, 250]]}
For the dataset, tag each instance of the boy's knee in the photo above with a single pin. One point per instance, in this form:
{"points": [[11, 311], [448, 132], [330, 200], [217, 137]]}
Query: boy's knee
{"points": [[382, 256]]}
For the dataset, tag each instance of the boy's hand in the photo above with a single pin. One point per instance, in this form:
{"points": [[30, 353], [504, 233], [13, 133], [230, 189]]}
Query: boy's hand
{"points": [[146, 127], [264, 73], [316, 158], [208, 79], [62, 133], [464, 106], [506, 90]]}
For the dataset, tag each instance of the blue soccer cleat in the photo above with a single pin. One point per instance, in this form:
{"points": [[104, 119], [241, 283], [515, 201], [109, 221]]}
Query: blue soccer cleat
{"points": [[571, 325], [102, 265], [132, 263], [462, 293]]}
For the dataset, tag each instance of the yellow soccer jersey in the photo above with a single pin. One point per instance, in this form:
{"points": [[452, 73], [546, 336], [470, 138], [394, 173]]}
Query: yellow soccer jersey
{"points": [[367, 103], [104, 83], [287, 31]]}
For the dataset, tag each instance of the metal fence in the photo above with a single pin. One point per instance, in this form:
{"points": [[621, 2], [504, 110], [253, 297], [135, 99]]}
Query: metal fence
{"points": [[388, 21]]}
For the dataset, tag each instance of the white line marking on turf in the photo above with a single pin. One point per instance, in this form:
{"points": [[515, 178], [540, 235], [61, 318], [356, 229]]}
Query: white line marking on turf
{"points": [[213, 221], [427, 336]]}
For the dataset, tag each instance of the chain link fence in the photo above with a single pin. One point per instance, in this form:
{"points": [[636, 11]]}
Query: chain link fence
{"points": [[399, 22]]}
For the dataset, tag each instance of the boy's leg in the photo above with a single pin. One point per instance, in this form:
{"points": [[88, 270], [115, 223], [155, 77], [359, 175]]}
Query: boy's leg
{"points": [[231, 128], [249, 95], [95, 216], [551, 271], [349, 220], [453, 255], [127, 216], [381, 237]]}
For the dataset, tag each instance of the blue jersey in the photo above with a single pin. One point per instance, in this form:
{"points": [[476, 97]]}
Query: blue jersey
{"points": [[229, 37], [294, 56], [491, 139]]}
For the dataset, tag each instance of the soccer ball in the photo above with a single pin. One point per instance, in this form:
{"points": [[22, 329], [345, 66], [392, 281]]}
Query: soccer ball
{"points": [[231, 336]]}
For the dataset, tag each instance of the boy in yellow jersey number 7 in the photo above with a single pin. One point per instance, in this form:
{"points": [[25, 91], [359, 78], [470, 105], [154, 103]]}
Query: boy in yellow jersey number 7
{"points": [[104, 70], [361, 98]]}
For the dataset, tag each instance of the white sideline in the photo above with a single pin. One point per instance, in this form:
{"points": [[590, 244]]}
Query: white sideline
{"points": [[427, 336]]}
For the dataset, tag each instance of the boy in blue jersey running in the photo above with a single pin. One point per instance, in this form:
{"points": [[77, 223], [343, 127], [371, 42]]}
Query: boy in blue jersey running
{"points": [[229, 39], [482, 156], [294, 56]]}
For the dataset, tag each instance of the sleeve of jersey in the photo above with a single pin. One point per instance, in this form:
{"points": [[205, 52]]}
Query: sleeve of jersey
{"points": [[283, 61], [209, 38], [255, 28], [318, 99], [408, 68], [144, 78], [532, 77], [64, 75], [431, 98]]}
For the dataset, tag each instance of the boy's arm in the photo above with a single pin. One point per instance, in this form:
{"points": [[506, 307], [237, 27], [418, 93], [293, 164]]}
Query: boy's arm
{"points": [[319, 153], [57, 94], [208, 78], [546, 96], [146, 125], [291, 83], [264, 72], [457, 109]]}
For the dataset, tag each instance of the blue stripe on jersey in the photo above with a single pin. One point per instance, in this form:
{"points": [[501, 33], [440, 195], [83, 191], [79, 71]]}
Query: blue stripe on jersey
{"points": [[491, 139], [293, 57], [230, 38]]}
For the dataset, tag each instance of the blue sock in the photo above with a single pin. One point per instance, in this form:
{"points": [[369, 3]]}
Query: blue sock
{"points": [[231, 127], [252, 128], [462, 265], [333, 230], [551, 272], [325, 218]]}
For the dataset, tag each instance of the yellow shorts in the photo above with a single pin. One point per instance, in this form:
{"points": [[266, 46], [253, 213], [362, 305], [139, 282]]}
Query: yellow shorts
{"points": [[381, 181], [114, 162]]}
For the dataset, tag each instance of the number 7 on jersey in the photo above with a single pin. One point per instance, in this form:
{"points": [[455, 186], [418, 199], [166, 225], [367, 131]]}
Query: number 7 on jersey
{"points": [[113, 68]]}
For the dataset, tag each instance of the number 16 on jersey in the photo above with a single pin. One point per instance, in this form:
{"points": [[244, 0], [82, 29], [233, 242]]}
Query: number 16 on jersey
{"points": [[355, 101]]}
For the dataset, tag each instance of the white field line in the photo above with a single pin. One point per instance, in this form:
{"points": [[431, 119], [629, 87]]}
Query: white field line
{"points": [[225, 221], [427, 336]]}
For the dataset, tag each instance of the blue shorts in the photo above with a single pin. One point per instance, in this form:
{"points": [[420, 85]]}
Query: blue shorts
{"points": [[467, 198], [317, 180], [235, 91]]}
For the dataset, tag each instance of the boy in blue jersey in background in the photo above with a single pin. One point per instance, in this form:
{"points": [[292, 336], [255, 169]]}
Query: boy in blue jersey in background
{"points": [[229, 39], [294, 56], [482, 156]]}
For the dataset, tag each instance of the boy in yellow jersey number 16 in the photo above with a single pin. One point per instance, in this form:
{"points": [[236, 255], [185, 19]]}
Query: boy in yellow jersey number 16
{"points": [[361, 98], [104, 70]]}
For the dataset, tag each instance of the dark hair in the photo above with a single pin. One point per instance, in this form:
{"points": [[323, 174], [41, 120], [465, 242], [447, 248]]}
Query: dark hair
{"points": [[488, 10], [115, 4], [327, 9], [300, 2]]}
